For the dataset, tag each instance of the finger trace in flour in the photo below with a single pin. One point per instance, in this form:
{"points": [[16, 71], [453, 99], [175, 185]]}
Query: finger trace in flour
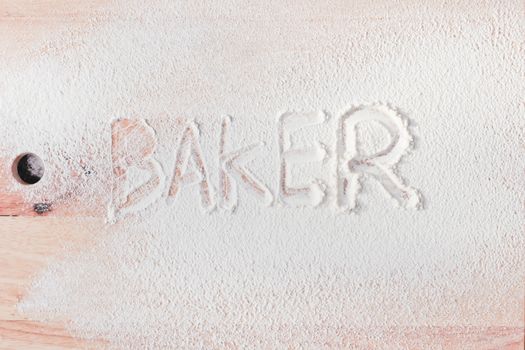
{"points": [[134, 143]]}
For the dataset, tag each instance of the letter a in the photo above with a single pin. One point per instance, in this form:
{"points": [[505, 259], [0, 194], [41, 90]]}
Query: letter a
{"points": [[189, 149]]}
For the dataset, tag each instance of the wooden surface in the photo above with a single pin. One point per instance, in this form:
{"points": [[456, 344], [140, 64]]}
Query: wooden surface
{"points": [[29, 241], [27, 244]]}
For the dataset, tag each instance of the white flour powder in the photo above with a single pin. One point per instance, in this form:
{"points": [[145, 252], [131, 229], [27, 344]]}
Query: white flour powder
{"points": [[270, 274]]}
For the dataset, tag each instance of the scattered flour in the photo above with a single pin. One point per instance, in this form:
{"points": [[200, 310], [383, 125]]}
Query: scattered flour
{"points": [[269, 274]]}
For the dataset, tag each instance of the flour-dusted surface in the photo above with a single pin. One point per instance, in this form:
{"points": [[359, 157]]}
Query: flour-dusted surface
{"points": [[185, 272]]}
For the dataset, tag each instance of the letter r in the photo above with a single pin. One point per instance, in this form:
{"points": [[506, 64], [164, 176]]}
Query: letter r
{"points": [[351, 164]]}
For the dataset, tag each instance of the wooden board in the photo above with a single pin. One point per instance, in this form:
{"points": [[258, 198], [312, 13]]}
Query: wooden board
{"points": [[30, 240], [27, 244]]}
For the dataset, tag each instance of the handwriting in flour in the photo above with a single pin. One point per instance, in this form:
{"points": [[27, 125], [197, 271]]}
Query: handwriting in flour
{"points": [[132, 146], [189, 150], [233, 165], [140, 179]]}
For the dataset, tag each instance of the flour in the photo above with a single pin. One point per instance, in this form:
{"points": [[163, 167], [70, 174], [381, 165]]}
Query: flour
{"points": [[188, 262]]}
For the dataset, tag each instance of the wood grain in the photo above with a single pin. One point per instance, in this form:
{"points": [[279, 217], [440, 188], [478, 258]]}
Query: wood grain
{"points": [[26, 246], [29, 241], [26, 25]]}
